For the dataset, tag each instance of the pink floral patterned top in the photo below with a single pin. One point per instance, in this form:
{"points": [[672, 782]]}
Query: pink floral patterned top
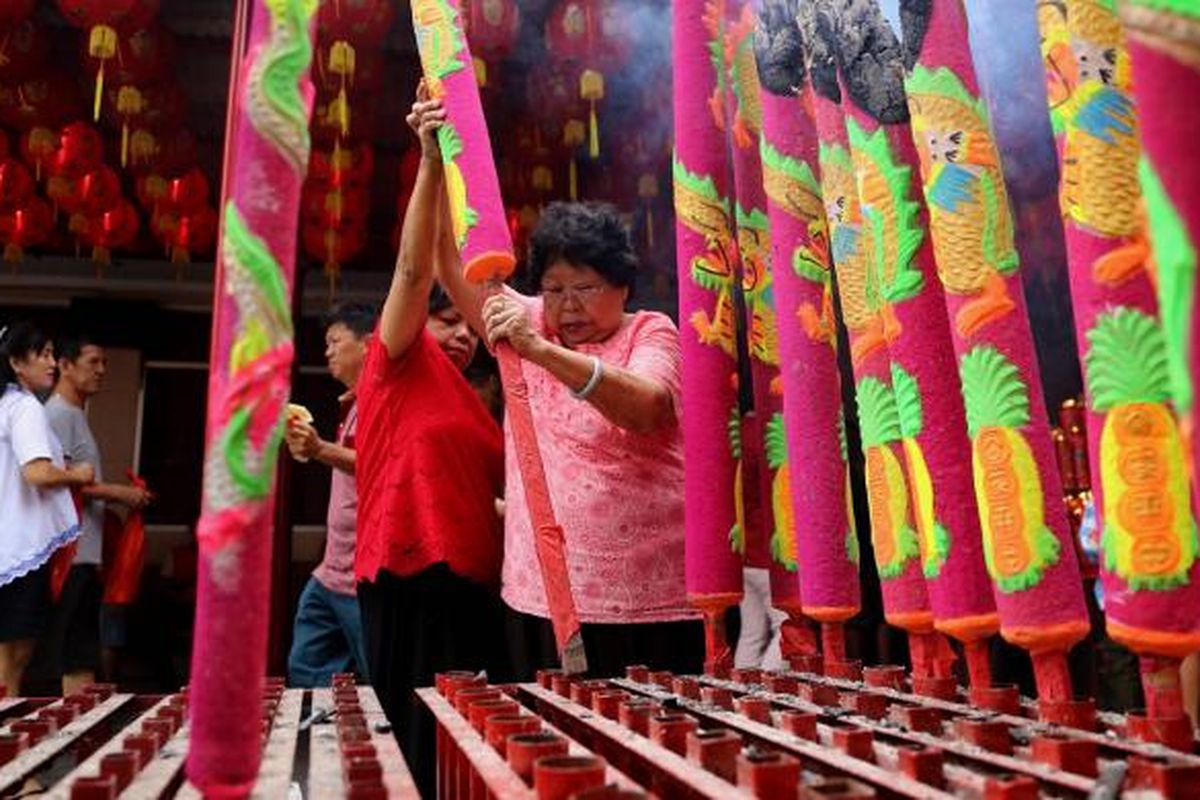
{"points": [[618, 494]]}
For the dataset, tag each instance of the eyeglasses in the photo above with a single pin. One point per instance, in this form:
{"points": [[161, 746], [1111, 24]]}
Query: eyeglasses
{"points": [[582, 294]]}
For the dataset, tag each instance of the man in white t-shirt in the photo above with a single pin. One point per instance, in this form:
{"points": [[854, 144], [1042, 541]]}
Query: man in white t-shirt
{"points": [[74, 639]]}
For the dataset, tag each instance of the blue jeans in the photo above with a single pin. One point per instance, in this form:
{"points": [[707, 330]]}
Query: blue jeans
{"points": [[327, 637]]}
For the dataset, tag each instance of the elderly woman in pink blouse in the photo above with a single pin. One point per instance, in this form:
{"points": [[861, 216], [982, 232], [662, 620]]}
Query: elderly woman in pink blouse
{"points": [[604, 386]]}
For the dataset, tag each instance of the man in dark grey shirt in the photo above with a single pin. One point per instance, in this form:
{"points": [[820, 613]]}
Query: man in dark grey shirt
{"points": [[74, 640]]}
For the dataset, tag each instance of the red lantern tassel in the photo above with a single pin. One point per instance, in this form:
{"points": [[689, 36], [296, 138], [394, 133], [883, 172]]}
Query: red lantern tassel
{"points": [[593, 133], [124, 144], [13, 253], [573, 180], [649, 228]]}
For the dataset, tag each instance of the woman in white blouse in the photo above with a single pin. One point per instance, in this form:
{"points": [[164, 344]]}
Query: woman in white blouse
{"points": [[38, 514]]}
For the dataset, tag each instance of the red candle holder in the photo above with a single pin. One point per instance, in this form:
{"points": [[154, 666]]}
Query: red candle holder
{"points": [[524, 749], [635, 713], [12, 744], [885, 677], [560, 777], [768, 775], [480, 712], [98, 788], [799, 723], [607, 702], [716, 751], [122, 766], [497, 729], [686, 687], [671, 731]]}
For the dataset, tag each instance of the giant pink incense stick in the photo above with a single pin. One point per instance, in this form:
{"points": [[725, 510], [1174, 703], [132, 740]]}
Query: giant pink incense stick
{"points": [[250, 365], [763, 443], [893, 531], [1139, 469], [924, 374], [705, 254], [483, 239], [1027, 542], [826, 543]]}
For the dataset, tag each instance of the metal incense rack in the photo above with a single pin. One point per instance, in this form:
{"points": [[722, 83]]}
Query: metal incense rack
{"points": [[102, 745], [774, 735]]}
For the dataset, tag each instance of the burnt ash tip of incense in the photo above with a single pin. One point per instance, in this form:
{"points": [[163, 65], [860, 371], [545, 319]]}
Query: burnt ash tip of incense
{"points": [[819, 38], [872, 60], [914, 24], [778, 48]]}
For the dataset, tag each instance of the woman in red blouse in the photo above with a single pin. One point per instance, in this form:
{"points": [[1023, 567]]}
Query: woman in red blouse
{"points": [[430, 466]]}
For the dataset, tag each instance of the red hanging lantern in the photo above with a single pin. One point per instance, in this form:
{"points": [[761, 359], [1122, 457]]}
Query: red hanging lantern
{"points": [[348, 169], [194, 233], [14, 11], [27, 225], [111, 229], [188, 192], [24, 50], [16, 184], [330, 126], [331, 208], [97, 191], [80, 150]]}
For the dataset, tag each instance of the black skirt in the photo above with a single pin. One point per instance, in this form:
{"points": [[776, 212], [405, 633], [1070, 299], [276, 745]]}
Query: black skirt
{"points": [[25, 605], [416, 627], [674, 646]]}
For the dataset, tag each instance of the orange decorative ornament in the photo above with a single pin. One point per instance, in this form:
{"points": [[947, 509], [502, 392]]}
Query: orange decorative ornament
{"points": [[589, 34], [37, 147], [100, 19], [151, 190]]}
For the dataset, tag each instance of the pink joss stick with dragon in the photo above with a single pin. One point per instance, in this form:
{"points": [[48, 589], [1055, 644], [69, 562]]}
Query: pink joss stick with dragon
{"points": [[826, 542], [771, 531], [900, 259], [1140, 472], [705, 256], [485, 245], [250, 364], [1028, 547], [893, 531]]}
